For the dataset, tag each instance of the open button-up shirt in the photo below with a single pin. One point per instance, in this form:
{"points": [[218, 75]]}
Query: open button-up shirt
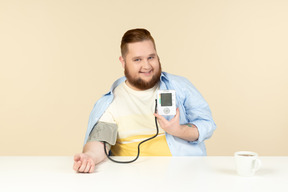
{"points": [[192, 106]]}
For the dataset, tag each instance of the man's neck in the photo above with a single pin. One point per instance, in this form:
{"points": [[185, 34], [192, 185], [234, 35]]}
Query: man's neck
{"points": [[131, 86]]}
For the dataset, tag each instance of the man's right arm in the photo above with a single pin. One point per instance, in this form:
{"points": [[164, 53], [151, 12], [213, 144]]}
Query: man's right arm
{"points": [[93, 153]]}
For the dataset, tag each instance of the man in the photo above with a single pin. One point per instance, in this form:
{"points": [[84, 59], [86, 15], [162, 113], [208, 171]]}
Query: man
{"points": [[125, 116]]}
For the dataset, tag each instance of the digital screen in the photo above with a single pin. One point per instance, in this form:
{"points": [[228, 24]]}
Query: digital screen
{"points": [[166, 99]]}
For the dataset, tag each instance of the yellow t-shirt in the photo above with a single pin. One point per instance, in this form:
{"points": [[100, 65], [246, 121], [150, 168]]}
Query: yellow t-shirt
{"points": [[132, 112]]}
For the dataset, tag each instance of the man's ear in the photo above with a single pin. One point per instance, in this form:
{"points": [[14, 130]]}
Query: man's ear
{"points": [[121, 59]]}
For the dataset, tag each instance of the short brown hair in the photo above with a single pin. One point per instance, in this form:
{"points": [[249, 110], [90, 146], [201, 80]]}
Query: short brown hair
{"points": [[133, 36]]}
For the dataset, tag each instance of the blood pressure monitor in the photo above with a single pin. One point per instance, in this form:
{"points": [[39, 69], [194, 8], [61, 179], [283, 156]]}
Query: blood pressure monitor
{"points": [[166, 102]]}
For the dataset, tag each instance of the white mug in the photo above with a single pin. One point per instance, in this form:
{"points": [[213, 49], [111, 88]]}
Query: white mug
{"points": [[247, 163]]}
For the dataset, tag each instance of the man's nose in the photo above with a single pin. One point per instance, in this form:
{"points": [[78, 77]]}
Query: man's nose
{"points": [[146, 64]]}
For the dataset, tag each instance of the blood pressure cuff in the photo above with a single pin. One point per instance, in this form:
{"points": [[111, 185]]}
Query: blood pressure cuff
{"points": [[104, 131]]}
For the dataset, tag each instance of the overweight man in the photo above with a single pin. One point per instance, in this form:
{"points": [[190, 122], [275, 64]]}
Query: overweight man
{"points": [[125, 115]]}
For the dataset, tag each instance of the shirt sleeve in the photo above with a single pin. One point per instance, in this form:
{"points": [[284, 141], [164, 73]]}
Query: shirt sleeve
{"points": [[198, 112]]}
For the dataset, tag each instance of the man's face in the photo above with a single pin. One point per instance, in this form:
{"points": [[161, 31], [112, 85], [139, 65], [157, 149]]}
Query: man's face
{"points": [[142, 65]]}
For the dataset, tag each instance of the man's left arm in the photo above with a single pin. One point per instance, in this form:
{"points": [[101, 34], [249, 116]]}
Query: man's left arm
{"points": [[196, 123]]}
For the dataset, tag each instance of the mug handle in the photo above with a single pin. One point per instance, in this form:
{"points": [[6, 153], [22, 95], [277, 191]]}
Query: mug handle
{"points": [[257, 164]]}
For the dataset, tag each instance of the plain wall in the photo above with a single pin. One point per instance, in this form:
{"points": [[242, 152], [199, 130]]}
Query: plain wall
{"points": [[59, 57]]}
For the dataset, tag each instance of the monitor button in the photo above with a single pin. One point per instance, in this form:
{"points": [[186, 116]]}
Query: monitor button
{"points": [[166, 110]]}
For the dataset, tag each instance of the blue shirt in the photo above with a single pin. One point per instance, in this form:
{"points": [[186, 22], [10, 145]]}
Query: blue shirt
{"points": [[192, 106]]}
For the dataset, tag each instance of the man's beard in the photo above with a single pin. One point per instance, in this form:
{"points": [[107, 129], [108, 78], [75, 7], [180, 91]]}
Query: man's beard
{"points": [[140, 83]]}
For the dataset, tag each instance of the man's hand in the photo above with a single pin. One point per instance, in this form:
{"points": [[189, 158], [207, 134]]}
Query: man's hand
{"points": [[83, 163], [93, 153], [173, 127]]}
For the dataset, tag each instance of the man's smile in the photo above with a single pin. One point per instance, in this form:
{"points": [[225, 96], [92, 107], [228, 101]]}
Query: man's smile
{"points": [[146, 73]]}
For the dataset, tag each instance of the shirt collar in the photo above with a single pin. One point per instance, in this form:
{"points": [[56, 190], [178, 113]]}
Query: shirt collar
{"points": [[163, 76]]}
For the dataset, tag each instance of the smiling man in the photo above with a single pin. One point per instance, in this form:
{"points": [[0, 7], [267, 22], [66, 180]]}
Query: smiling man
{"points": [[142, 66], [125, 116]]}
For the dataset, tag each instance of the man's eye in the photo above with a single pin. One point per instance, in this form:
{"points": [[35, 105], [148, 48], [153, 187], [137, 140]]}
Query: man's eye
{"points": [[149, 58], [137, 60]]}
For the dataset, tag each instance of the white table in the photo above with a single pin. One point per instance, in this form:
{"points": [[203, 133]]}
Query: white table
{"points": [[175, 174]]}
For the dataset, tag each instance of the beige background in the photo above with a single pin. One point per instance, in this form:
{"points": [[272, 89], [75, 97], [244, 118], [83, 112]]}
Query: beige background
{"points": [[58, 57]]}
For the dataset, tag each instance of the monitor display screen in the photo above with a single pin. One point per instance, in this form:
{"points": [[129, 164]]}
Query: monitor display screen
{"points": [[166, 99]]}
